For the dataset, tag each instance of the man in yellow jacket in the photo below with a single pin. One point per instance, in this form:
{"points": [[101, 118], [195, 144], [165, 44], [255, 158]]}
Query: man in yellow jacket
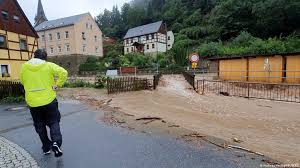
{"points": [[41, 80]]}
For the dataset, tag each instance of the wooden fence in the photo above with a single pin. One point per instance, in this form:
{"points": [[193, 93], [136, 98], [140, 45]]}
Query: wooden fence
{"points": [[127, 84], [10, 88]]}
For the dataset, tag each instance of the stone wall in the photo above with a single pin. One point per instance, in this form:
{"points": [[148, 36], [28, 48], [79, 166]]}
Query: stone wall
{"points": [[70, 62]]}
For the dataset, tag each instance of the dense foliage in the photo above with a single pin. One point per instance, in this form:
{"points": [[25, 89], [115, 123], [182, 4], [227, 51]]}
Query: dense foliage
{"points": [[246, 44], [210, 27], [207, 20]]}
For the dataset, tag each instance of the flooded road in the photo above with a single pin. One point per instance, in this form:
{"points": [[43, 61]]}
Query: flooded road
{"points": [[272, 128]]}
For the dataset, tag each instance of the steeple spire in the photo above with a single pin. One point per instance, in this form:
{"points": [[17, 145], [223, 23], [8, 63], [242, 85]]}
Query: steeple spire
{"points": [[40, 16]]}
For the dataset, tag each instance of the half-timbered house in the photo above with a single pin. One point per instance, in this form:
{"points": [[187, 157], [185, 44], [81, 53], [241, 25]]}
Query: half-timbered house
{"points": [[18, 39], [152, 38]]}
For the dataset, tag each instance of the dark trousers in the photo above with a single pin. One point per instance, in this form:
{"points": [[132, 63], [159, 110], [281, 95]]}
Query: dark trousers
{"points": [[47, 115]]}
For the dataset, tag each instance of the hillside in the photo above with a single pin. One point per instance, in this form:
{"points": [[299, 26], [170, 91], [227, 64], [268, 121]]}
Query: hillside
{"points": [[213, 27]]}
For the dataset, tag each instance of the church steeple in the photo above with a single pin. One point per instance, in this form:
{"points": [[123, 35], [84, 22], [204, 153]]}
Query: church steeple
{"points": [[40, 16]]}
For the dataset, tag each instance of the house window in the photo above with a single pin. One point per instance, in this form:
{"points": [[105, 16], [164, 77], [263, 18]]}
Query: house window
{"points": [[43, 37], [67, 34], [127, 49], [67, 47], [84, 48], [3, 41], [58, 36], [59, 49], [152, 36], [4, 71], [95, 38], [16, 19], [51, 50], [87, 25], [97, 49], [169, 38], [83, 35], [50, 37], [147, 37], [23, 44], [91, 26], [153, 45], [131, 49], [131, 40], [4, 15], [148, 46]]}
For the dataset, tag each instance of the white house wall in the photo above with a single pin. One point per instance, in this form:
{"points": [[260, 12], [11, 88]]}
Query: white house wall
{"points": [[171, 40], [160, 42]]}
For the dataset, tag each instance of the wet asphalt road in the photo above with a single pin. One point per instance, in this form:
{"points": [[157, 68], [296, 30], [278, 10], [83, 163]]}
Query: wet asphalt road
{"points": [[89, 143]]}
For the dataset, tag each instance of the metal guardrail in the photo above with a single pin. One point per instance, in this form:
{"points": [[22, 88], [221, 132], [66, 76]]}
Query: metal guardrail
{"points": [[278, 76], [269, 91], [156, 80], [190, 78]]}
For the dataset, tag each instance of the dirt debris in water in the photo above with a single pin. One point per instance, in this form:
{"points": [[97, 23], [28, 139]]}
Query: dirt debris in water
{"points": [[271, 128]]}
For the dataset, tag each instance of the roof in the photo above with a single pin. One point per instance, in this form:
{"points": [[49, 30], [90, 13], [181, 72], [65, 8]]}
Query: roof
{"points": [[67, 21], [223, 57], [40, 16], [144, 29], [25, 17]]}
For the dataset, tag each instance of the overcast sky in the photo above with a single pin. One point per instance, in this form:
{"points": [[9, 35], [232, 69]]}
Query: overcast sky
{"points": [[55, 9]]}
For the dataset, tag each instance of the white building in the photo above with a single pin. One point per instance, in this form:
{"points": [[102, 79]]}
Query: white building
{"points": [[152, 38]]}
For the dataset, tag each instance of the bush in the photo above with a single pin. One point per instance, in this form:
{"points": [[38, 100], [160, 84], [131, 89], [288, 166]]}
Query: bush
{"points": [[88, 67], [9, 100], [180, 55], [210, 49], [270, 46], [187, 43], [161, 58], [78, 83], [292, 43], [274, 46], [91, 59], [242, 40], [101, 81], [139, 60]]}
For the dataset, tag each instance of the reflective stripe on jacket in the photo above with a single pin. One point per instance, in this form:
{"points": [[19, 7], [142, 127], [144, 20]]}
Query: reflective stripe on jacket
{"points": [[38, 78]]}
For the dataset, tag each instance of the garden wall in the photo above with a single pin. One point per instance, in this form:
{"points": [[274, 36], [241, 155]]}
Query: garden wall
{"points": [[70, 62]]}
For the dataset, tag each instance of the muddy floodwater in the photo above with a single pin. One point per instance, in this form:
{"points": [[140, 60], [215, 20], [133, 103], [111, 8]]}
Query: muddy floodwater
{"points": [[268, 127]]}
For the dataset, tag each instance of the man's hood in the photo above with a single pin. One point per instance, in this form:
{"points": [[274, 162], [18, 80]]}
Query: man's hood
{"points": [[34, 64]]}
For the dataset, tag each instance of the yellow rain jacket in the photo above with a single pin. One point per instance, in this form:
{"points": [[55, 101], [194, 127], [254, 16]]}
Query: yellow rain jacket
{"points": [[38, 76]]}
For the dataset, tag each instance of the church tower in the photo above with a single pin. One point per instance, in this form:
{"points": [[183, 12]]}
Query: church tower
{"points": [[40, 16]]}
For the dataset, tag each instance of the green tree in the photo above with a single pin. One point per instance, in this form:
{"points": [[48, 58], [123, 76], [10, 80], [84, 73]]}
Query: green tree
{"points": [[276, 17]]}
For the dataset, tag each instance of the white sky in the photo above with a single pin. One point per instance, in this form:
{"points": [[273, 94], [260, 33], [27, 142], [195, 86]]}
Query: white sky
{"points": [[55, 9]]}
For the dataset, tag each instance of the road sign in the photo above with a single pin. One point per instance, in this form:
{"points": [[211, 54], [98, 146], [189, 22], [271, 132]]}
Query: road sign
{"points": [[194, 65], [194, 57]]}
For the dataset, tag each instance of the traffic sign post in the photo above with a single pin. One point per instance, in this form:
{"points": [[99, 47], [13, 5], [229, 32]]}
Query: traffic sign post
{"points": [[194, 59]]}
